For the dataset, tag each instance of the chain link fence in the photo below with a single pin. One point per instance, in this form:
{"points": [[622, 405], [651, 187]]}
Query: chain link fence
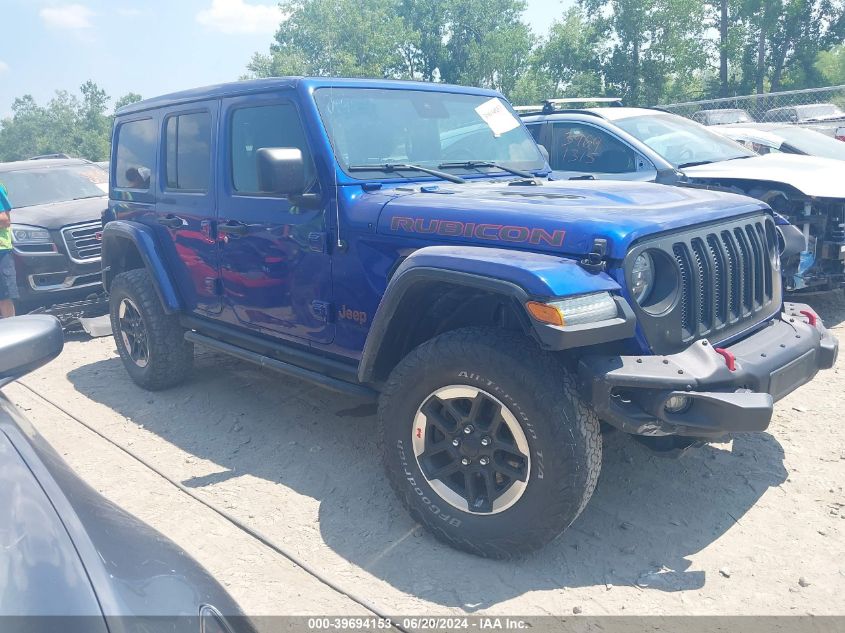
{"points": [[773, 106]]}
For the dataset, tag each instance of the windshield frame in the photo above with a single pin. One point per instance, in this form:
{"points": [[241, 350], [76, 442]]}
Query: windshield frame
{"points": [[538, 166], [714, 137], [41, 169]]}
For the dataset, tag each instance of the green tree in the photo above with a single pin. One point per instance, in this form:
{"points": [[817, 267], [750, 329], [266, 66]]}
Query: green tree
{"points": [[67, 124], [567, 60], [125, 100], [339, 38], [650, 46]]}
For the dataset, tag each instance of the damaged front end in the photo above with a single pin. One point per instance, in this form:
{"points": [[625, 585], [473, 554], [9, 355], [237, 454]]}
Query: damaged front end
{"points": [[813, 249]]}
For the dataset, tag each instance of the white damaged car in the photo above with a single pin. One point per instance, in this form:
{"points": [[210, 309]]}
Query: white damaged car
{"points": [[648, 144]]}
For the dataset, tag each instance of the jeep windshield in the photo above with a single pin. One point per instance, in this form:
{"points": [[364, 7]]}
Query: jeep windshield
{"points": [[462, 133], [31, 187], [680, 141]]}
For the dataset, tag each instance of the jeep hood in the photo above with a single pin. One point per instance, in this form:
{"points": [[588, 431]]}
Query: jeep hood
{"points": [[59, 214], [561, 216], [811, 175]]}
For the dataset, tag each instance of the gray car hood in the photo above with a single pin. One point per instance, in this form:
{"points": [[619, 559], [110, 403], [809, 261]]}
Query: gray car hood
{"points": [[59, 214], [811, 175]]}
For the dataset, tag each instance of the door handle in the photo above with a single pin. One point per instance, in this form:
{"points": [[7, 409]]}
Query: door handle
{"points": [[172, 222], [234, 227]]}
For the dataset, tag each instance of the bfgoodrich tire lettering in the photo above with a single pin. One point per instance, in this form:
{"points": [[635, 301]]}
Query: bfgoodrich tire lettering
{"points": [[163, 358], [562, 434]]}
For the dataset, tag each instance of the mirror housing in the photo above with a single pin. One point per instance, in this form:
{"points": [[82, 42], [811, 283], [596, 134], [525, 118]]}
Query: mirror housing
{"points": [[27, 343], [281, 170]]}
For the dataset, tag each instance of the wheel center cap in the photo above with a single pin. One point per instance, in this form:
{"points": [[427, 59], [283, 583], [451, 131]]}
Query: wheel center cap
{"points": [[471, 446]]}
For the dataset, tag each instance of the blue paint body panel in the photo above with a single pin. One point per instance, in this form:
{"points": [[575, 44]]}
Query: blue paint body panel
{"points": [[298, 276]]}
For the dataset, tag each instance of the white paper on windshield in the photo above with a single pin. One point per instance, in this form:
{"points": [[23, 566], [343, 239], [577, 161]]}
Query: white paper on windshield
{"points": [[497, 117]]}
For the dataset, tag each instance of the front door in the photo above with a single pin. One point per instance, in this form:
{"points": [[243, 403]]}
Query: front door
{"points": [[274, 263], [586, 149]]}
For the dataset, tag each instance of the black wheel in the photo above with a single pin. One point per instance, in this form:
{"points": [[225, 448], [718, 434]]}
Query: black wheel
{"points": [[487, 442], [150, 342]]}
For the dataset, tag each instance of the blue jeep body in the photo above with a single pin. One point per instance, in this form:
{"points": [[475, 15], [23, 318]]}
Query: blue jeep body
{"points": [[339, 281]]}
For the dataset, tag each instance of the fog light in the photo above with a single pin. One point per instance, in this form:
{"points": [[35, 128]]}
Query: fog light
{"points": [[677, 404]]}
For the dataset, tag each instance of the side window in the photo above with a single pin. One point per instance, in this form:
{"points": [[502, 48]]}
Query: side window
{"points": [[259, 127], [536, 130], [188, 151], [583, 148], [135, 156]]}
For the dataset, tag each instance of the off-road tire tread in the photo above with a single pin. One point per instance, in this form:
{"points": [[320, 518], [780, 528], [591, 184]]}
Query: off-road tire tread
{"points": [[171, 356], [552, 382]]}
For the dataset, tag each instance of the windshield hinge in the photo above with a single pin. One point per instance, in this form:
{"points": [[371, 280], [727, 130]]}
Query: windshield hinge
{"points": [[594, 261]]}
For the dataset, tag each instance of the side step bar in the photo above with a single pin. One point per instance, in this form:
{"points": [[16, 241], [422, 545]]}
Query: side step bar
{"points": [[328, 382]]}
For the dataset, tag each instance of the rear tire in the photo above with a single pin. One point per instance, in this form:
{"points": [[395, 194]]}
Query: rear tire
{"points": [[151, 343], [523, 470]]}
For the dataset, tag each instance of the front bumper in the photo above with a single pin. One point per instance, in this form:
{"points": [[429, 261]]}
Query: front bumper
{"points": [[631, 392], [48, 278]]}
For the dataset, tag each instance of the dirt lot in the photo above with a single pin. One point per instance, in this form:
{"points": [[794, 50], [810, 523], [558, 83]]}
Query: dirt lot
{"points": [[728, 529]]}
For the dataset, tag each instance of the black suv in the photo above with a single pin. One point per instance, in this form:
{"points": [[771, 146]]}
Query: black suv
{"points": [[56, 228]]}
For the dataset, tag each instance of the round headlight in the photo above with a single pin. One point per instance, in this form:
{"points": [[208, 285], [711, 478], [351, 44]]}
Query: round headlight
{"points": [[642, 277]]}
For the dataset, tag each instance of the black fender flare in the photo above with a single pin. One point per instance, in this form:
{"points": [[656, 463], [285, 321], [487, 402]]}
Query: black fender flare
{"points": [[518, 277], [144, 242]]}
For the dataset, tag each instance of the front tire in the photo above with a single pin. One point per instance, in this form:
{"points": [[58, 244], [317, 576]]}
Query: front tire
{"points": [[487, 442], [151, 343]]}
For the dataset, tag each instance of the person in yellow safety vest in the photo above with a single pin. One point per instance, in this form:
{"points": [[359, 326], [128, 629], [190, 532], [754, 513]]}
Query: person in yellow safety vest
{"points": [[8, 279]]}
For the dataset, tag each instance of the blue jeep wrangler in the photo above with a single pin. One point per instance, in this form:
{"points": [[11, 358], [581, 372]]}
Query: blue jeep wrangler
{"points": [[402, 240]]}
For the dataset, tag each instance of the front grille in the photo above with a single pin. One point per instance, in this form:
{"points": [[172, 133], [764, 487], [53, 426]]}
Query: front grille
{"points": [[727, 282], [82, 241]]}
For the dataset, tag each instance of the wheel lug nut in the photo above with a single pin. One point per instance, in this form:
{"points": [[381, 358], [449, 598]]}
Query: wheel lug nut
{"points": [[465, 461], [456, 442], [485, 441], [484, 461], [468, 429]]}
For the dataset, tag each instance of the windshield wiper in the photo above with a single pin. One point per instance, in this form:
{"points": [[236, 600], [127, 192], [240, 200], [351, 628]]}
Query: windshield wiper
{"points": [[471, 164], [694, 164], [392, 167]]}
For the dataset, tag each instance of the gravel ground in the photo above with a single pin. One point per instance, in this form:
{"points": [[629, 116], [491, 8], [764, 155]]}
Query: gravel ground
{"points": [[752, 526]]}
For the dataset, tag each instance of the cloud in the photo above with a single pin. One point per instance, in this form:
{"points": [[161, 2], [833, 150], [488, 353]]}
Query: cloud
{"points": [[69, 16], [239, 16], [4, 67]]}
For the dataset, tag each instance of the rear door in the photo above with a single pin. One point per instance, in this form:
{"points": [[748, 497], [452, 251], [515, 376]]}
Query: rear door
{"points": [[275, 265], [186, 202]]}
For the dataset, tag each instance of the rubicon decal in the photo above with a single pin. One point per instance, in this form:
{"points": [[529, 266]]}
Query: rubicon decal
{"points": [[494, 232]]}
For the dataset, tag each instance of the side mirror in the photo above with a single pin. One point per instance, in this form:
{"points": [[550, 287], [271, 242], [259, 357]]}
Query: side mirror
{"points": [[27, 343], [281, 170]]}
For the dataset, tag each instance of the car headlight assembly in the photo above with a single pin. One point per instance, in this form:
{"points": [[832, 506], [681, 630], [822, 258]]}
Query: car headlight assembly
{"points": [[30, 235], [642, 278], [590, 308]]}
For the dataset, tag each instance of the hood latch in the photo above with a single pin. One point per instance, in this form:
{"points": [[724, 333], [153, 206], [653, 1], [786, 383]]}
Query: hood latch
{"points": [[594, 261]]}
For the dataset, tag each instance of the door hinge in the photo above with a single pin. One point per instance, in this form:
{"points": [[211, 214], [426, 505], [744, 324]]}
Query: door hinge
{"points": [[322, 311]]}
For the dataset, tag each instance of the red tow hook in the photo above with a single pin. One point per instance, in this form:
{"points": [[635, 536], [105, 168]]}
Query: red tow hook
{"points": [[730, 359], [812, 317]]}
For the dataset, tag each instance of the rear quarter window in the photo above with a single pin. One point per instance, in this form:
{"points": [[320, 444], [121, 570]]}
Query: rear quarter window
{"points": [[135, 154]]}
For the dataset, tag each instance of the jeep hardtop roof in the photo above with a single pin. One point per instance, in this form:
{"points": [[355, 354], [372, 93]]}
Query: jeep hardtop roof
{"points": [[257, 86]]}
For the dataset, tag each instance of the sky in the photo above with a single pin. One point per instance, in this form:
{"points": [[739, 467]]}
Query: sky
{"points": [[146, 46]]}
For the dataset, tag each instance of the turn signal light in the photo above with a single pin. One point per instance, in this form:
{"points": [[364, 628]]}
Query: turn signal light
{"points": [[544, 312]]}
